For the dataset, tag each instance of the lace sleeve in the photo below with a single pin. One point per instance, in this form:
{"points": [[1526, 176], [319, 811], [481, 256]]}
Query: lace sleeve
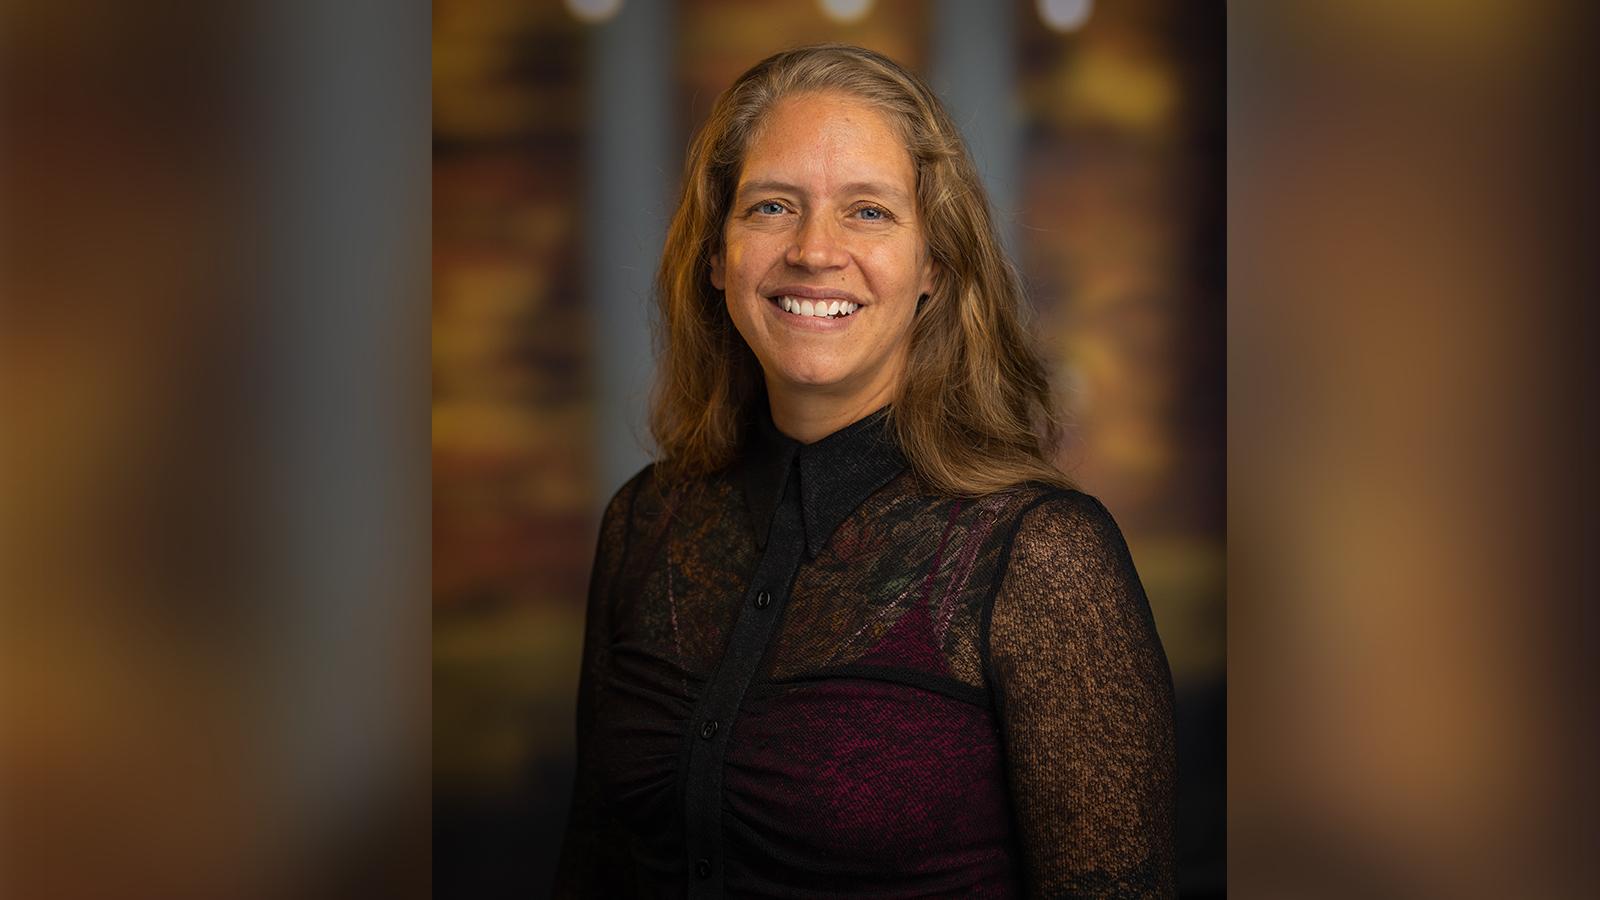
{"points": [[1084, 697], [592, 864]]}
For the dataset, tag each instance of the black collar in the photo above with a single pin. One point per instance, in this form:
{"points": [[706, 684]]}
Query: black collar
{"points": [[835, 473]]}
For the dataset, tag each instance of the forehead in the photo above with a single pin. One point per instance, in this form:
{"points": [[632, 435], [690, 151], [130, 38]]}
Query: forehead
{"points": [[822, 141]]}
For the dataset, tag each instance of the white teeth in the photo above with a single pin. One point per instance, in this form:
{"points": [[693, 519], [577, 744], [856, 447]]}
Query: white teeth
{"points": [[819, 308]]}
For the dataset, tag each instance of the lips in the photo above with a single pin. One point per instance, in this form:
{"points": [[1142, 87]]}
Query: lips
{"points": [[814, 303]]}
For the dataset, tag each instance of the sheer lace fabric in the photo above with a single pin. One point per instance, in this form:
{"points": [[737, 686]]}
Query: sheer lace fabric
{"points": [[956, 697]]}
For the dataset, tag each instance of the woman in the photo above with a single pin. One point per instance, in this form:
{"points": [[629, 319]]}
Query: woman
{"points": [[852, 634]]}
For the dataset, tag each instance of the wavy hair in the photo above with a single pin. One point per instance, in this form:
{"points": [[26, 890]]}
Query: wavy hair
{"points": [[974, 413]]}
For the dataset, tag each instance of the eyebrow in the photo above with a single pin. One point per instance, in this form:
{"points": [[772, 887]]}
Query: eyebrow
{"points": [[855, 187]]}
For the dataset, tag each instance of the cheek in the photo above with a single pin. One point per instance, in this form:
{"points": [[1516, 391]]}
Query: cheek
{"points": [[737, 311], [743, 255], [746, 317], [896, 271]]}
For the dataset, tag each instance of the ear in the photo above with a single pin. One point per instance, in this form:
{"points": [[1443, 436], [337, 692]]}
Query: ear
{"points": [[930, 276], [718, 279]]}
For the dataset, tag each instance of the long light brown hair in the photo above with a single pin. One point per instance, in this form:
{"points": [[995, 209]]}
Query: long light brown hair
{"points": [[974, 413]]}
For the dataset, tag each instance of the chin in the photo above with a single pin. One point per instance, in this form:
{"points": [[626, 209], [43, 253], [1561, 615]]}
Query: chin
{"points": [[810, 374]]}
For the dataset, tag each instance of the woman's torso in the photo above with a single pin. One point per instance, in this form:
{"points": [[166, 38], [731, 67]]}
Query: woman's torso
{"points": [[856, 748]]}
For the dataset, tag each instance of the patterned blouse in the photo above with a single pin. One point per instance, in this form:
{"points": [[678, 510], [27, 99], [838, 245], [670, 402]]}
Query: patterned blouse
{"points": [[808, 676]]}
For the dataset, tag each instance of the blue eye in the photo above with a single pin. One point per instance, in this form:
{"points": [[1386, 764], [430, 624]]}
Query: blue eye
{"points": [[873, 213], [771, 208]]}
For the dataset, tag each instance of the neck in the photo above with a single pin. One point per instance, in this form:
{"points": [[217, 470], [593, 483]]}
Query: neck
{"points": [[811, 415]]}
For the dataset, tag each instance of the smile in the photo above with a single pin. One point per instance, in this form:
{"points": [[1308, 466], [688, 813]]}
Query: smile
{"points": [[806, 308]]}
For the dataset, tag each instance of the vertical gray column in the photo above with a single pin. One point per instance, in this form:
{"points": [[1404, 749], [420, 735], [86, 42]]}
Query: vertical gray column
{"points": [[972, 66], [632, 173], [344, 205]]}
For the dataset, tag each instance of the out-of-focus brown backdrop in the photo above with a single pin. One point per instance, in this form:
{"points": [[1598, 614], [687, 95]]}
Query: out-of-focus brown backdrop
{"points": [[558, 136], [214, 402]]}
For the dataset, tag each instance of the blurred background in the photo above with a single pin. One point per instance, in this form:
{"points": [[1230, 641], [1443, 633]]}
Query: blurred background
{"points": [[559, 130], [213, 450], [214, 408]]}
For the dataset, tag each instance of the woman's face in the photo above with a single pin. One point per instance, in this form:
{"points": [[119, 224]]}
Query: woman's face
{"points": [[824, 222]]}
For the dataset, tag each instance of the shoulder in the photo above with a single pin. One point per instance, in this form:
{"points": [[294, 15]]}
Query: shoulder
{"points": [[1038, 509], [1067, 512], [1068, 573], [618, 523], [1036, 517], [620, 508], [650, 497], [1066, 530]]}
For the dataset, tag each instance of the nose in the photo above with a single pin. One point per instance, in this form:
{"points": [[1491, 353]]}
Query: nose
{"points": [[816, 245]]}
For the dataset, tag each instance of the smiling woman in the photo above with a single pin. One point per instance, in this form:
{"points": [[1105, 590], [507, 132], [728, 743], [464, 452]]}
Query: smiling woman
{"points": [[852, 633], [823, 260], [972, 410]]}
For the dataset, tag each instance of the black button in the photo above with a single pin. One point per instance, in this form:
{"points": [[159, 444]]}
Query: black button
{"points": [[708, 729], [763, 599], [703, 868]]}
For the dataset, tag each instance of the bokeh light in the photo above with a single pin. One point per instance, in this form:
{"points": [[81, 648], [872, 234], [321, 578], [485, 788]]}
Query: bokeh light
{"points": [[594, 11], [1065, 15], [846, 10]]}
